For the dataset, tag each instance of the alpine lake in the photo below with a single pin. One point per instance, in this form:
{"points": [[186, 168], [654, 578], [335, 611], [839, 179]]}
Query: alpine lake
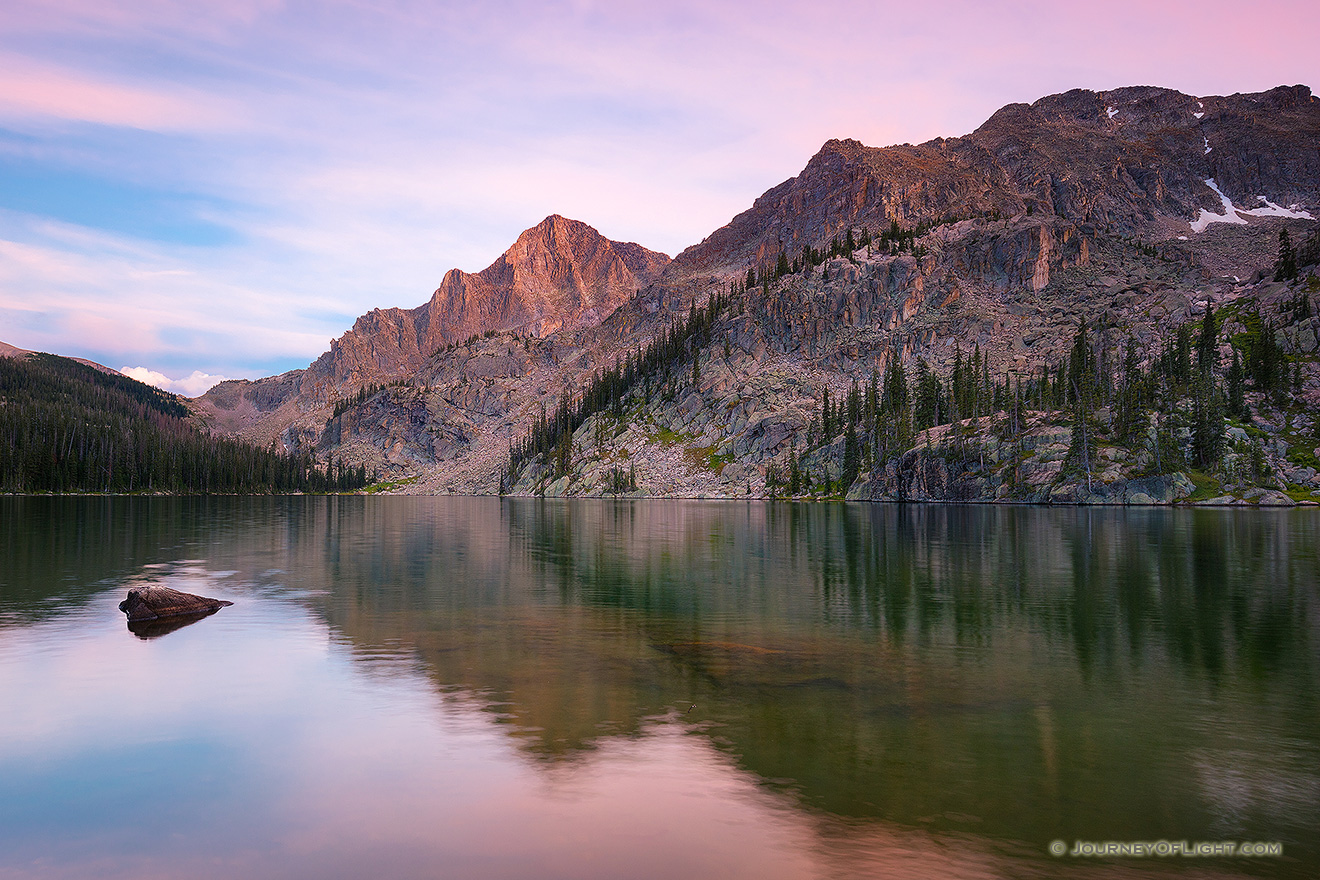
{"points": [[412, 687]]}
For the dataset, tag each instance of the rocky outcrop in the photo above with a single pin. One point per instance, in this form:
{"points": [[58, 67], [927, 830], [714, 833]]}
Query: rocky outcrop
{"points": [[152, 603], [257, 411]]}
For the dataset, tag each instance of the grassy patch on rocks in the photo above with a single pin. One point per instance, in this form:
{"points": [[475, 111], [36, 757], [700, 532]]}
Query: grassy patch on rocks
{"points": [[1207, 487], [390, 485], [706, 457], [667, 437]]}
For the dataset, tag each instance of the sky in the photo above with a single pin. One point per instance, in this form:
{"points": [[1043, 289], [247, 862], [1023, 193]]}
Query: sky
{"points": [[194, 191]]}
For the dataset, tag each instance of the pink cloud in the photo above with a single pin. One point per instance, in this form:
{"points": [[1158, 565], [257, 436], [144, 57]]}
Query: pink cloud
{"points": [[189, 386], [29, 89]]}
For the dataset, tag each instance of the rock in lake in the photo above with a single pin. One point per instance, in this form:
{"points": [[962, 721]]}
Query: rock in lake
{"points": [[151, 603]]}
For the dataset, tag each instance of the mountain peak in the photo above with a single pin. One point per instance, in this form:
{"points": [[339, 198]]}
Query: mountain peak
{"points": [[559, 274], [555, 234]]}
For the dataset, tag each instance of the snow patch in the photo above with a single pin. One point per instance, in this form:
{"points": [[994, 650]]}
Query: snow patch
{"points": [[1198, 115], [1111, 111], [1205, 218], [1272, 210], [1233, 214], [1182, 238], [1208, 148]]}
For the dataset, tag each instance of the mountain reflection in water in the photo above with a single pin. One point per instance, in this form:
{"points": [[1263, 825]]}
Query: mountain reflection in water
{"points": [[663, 688]]}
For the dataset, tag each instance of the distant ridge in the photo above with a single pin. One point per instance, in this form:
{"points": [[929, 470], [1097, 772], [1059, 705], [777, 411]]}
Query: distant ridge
{"points": [[1121, 159], [13, 351]]}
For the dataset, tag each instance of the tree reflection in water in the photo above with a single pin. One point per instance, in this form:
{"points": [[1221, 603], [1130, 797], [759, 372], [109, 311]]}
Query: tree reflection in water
{"points": [[1017, 674]]}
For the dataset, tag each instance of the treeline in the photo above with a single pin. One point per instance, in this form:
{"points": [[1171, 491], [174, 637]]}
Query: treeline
{"points": [[1291, 260], [550, 440], [1173, 407], [891, 240], [67, 427]]}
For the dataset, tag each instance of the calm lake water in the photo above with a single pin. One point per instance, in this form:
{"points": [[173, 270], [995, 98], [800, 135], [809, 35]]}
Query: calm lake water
{"points": [[477, 688]]}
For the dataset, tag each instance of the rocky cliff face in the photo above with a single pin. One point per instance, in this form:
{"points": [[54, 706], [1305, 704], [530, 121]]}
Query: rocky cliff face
{"points": [[559, 275], [1120, 159], [1080, 206]]}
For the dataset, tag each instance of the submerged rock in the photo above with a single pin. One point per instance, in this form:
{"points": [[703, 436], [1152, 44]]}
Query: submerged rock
{"points": [[151, 603]]}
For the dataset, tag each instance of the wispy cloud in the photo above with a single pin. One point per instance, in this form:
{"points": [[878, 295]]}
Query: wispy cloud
{"points": [[95, 296], [30, 90], [222, 188]]}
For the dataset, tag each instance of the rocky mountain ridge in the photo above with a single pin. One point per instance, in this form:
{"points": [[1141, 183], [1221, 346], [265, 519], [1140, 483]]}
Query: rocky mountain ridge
{"points": [[1086, 205], [1121, 159], [559, 275]]}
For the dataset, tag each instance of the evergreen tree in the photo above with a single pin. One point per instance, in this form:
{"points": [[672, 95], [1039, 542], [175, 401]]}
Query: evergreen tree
{"points": [[957, 386], [1130, 413], [1207, 343], [1207, 423], [927, 406], [1182, 364], [1236, 380], [896, 388], [1265, 360], [1083, 445], [872, 409], [1286, 267], [1059, 394], [564, 453], [851, 458], [1081, 364]]}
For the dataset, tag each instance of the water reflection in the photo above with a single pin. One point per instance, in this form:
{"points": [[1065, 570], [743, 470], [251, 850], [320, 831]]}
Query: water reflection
{"points": [[973, 680], [163, 626]]}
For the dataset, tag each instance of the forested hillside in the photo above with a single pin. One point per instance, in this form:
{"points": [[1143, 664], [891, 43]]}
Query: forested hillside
{"points": [[67, 427]]}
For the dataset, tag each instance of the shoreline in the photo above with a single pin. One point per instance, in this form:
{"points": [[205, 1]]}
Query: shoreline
{"points": [[1209, 504]]}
